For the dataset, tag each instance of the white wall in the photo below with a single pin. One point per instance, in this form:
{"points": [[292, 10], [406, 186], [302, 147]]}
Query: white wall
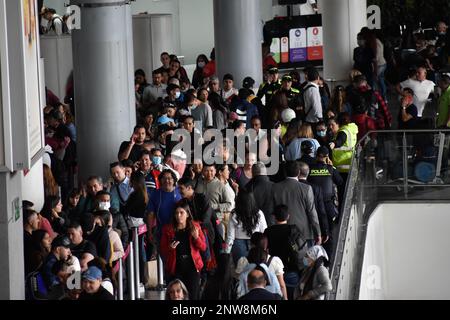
{"points": [[33, 185], [408, 243]]}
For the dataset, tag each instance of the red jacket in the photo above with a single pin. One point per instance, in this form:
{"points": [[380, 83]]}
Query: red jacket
{"points": [[170, 255], [365, 124]]}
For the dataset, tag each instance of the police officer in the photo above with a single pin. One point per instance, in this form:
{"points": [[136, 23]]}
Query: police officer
{"points": [[326, 176], [307, 148], [273, 84], [292, 94]]}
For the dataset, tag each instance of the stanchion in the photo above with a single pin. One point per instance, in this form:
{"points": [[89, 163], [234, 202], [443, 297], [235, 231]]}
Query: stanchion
{"points": [[160, 286], [120, 280], [136, 263], [131, 280]]}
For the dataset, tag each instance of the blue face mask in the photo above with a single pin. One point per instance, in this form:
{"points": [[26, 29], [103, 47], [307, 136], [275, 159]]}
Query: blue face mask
{"points": [[178, 95], [305, 262], [321, 134], [156, 161]]}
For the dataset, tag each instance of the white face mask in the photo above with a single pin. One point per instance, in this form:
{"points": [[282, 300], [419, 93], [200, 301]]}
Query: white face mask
{"points": [[201, 65], [104, 206], [178, 94]]}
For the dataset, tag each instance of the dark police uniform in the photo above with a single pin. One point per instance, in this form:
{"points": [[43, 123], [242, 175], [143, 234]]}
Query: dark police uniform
{"points": [[268, 90]]}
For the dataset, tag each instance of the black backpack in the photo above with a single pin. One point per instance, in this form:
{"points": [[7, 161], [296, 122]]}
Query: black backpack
{"points": [[297, 247]]}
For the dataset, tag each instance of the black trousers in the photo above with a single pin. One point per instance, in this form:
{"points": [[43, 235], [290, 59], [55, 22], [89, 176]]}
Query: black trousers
{"points": [[187, 273]]}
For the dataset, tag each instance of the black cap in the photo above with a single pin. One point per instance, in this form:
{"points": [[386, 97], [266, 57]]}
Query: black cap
{"points": [[286, 78], [307, 146], [273, 70], [61, 241], [323, 151]]}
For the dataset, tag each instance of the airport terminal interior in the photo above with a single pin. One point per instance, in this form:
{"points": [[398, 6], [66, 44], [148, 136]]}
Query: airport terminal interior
{"points": [[232, 150]]}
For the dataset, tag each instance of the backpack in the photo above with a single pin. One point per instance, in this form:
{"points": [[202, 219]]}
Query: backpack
{"points": [[65, 28], [297, 247], [35, 288], [302, 112]]}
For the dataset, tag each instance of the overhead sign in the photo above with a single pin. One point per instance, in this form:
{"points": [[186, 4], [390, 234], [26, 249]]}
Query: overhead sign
{"points": [[298, 44], [315, 43], [285, 50]]}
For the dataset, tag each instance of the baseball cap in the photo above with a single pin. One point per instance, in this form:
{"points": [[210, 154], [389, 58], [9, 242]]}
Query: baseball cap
{"points": [[323, 151], [61, 241], [286, 78], [93, 273], [307, 146]]}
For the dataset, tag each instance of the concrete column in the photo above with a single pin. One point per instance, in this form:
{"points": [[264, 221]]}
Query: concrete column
{"points": [[12, 279], [104, 82], [342, 21], [238, 32]]}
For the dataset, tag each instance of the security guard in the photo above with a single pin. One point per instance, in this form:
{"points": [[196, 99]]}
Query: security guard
{"points": [[272, 85], [292, 94], [326, 176]]}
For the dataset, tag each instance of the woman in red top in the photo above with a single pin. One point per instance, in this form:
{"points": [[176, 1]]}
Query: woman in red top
{"points": [[181, 244]]}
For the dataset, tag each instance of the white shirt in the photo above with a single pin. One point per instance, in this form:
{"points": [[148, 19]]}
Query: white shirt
{"points": [[236, 231], [55, 22], [380, 54], [307, 8], [422, 91]]}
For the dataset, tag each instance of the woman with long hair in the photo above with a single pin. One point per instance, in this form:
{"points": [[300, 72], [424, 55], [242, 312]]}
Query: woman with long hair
{"points": [[51, 188], [182, 242], [246, 219], [220, 112], [135, 207], [198, 78], [294, 149], [42, 247], [278, 103], [52, 211]]}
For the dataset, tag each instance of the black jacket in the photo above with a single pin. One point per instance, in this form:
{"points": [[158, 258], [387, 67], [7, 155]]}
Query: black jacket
{"points": [[261, 187], [259, 294], [203, 213]]}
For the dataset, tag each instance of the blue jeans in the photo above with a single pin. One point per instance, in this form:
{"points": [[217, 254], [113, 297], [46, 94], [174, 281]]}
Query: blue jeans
{"points": [[381, 83], [292, 280], [240, 249]]}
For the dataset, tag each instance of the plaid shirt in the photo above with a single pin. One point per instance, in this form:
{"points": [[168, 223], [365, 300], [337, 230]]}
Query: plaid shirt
{"points": [[383, 115]]}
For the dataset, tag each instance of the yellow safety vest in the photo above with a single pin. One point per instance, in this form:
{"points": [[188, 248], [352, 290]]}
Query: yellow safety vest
{"points": [[342, 157]]}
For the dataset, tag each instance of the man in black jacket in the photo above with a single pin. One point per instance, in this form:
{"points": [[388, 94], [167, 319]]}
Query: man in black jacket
{"points": [[326, 177], [256, 282], [261, 186]]}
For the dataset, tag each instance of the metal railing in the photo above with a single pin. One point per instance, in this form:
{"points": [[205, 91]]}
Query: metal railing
{"points": [[133, 264], [387, 166]]}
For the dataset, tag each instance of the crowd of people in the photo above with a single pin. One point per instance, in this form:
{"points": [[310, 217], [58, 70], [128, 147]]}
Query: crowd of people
{"points": [[226, 230]]}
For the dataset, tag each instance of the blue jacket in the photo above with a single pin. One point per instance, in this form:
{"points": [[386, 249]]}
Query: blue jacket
{"points": [[246, 111]]}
